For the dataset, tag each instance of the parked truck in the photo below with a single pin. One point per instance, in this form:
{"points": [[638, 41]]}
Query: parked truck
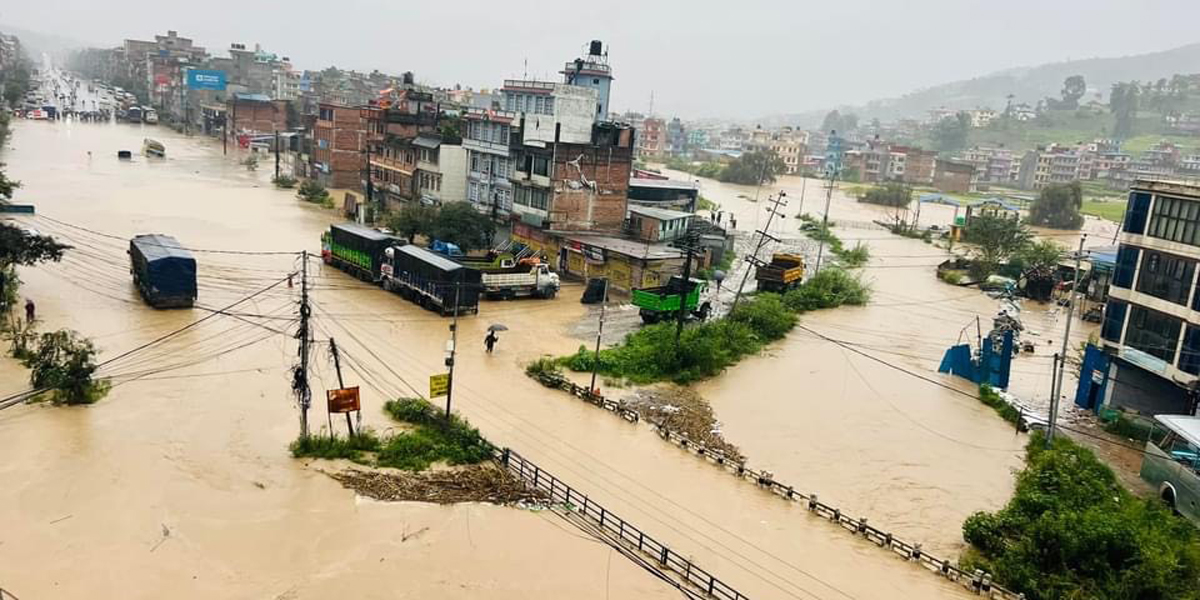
{"points": [[163, 271], [784, 272], [523, 279], [662, 302], [356, 250], [430, 280]]}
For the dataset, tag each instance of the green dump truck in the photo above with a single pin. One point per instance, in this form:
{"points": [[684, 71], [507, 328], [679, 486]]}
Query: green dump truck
{"points": [[662, 303]]}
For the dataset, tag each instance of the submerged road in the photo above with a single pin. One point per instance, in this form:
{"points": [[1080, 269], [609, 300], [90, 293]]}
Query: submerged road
{"points": [[179, 482]]}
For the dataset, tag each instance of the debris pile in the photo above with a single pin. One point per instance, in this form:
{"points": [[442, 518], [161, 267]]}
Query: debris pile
{"points": [[474, 483], [685, 412]]}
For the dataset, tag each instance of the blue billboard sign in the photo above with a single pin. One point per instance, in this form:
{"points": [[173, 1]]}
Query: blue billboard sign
{"points": [[205, 79]]}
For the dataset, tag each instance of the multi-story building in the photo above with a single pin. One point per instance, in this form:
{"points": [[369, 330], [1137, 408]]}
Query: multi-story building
{"points": [[919, 164], [441, 174], [1151, 327], [339, 147], [574, 185], [592, 72], [652, 138], [486, 134], [676, 137], [285, 84], [393, 129], [697, 139], [952, 176]]}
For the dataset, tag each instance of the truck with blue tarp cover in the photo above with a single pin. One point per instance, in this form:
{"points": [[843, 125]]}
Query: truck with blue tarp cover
{"points": [[356, 250], [163, 270], [431, 280]]}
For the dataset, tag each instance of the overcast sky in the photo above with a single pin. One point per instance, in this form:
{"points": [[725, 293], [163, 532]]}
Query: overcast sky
{"points": [[743, 58]]}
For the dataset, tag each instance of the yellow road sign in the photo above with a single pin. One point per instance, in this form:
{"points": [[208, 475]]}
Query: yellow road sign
{"points": [[439, 385]]}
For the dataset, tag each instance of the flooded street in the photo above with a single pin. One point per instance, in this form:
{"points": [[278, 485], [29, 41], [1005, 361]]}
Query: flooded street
{"points": [[179, 482]]}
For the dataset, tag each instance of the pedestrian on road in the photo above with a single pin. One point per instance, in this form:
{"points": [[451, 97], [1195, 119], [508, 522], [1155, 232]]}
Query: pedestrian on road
{"points": [[30, 311], [490, 341]]}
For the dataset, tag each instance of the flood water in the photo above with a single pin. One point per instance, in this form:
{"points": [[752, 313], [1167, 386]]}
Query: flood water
{"points": [[179, 482]]}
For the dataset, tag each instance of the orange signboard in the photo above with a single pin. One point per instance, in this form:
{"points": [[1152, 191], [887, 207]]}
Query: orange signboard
{"points": [[343, 400]]}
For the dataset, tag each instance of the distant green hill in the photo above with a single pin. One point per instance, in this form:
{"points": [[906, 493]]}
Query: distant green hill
{"points": [[1026, 84]]}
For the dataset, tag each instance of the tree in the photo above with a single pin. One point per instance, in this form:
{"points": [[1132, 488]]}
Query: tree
{"points": [[1123, 104], [1057, 207], [832, 122], [754, 168], [312, 191], [7, 186], [890, 194], [20, 247], [64, 363], [950, 134], [459, 223], [1074, 87], [995, 239], [413, 219]]}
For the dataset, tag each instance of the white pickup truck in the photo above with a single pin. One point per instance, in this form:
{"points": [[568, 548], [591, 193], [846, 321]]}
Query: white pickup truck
{"points": [[538, 281]]}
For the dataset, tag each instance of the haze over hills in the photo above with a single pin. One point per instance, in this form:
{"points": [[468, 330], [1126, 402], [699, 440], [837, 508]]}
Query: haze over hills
{"points": [[1026, 84], [37, 42]]}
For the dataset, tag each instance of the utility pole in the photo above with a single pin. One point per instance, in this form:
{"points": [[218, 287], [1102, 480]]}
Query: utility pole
{"points": [[370, 187], [300, 375], [277, 172], [681, 316], [453, 346], [337, 365], [1062, 361], [825, 220], [599, 333], [776, 203]]}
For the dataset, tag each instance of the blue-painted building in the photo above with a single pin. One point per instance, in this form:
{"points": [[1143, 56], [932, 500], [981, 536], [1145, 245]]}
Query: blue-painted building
{"points": [[1151, 327], [592, 71]]}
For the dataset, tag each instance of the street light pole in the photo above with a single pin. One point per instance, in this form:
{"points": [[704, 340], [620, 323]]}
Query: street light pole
{"points": [[1062, 361], [599, 333]]}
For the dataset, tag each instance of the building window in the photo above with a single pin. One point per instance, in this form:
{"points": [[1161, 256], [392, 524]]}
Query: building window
{"points": [[549, 105], [539, 104], [1153, 332], [1166, 276], [1189, 354], [1127, 258], [541, 166], [1175, 219], [596, 81], [475, 162], [326, 114], [473, 191], [1114, 320]]}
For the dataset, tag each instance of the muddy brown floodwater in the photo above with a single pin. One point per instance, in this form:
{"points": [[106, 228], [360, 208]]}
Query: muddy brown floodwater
{"points": [[179, 483]]}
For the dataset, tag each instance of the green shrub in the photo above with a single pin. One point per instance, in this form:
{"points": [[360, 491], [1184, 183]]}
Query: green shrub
{"points": [[329, 447], [649, 354], [992, 398], [433, 439], [830, 288], [286, 182], [1071, 531], [855, 257], [1129, 427], [952, 277], [767, 315], [311, 191]]}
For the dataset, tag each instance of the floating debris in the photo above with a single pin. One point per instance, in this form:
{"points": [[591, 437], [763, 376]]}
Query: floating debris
{"points": [[474, 483]]}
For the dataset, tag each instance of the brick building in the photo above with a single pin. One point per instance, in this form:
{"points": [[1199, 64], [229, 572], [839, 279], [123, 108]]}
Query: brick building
{"points": [[256, 113], [652, 139], [338, 156], [956, 177], [574, 186]]}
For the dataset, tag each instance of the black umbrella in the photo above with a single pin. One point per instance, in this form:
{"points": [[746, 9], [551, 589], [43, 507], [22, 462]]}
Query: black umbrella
{"points": [[497, 327]]}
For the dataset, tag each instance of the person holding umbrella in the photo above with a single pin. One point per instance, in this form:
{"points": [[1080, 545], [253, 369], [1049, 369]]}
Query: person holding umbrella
{"points": [[490, 341]]}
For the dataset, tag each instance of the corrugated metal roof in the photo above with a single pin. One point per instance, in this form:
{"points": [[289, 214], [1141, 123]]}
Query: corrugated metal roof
{"points": [[661, 214], [667, 184], [429, 142], [155, 246], [627, 247]]}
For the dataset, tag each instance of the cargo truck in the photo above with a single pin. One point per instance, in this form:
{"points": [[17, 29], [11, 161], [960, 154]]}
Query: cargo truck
{"points": [[356, 250], [525, 279], [662, 303], [163, 271], [784, 272], [430, 280]]}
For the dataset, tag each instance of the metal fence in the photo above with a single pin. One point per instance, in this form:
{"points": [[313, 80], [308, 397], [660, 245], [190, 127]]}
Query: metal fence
{"points": [[977, 581], [630, 536]]}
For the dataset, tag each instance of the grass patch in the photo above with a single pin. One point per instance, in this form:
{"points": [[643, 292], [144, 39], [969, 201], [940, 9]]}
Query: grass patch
{"points": [[432, 439], [1112, 210], [706, 349], [850, 258], [331, 448], [1071, 531], [992, 398]]}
